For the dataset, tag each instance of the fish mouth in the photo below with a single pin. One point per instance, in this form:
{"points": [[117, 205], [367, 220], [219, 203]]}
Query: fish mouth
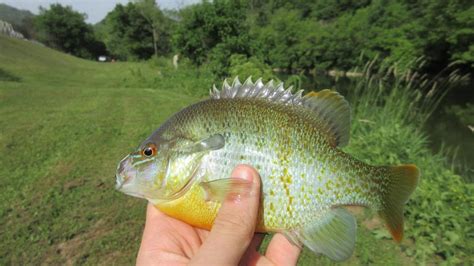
{"points": [[123, 171], [119, 181], [121, 185], [133, 182]]}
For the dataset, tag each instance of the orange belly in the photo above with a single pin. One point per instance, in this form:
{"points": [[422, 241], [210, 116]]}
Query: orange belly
{"points": [[193, 209]]}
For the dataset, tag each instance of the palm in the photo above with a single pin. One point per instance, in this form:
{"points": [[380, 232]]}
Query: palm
{"points": [[169, 241]]}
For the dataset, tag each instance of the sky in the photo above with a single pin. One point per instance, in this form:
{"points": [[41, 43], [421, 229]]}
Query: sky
{"points": [[95, 9]]}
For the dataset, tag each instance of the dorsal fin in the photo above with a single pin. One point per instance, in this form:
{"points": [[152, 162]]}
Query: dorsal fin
{"points": [[334, 110], [330, 107], [269, 91]]}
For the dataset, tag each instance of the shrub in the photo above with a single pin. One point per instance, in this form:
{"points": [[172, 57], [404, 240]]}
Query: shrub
{"points": [[389, 110], [244, 67], [159, 72]]}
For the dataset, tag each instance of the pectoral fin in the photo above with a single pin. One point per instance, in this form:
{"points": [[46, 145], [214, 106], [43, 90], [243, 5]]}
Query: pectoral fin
{"points": [[333, 235], [220, 189], [211, 143]]}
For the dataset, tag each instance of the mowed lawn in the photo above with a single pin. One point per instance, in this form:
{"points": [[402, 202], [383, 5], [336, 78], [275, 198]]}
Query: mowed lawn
{"points": [[64, 125], [63, 128]]}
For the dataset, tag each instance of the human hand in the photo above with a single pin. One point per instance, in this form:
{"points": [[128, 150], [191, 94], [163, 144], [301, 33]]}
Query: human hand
{"points": [[231, 241]]}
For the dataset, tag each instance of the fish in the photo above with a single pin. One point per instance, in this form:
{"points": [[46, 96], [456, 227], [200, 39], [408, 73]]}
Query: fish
{"points": [[293, 140]]}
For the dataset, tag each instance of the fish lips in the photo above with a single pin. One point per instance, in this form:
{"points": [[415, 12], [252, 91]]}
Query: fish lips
{"points": [[138, 179], [125, 173]]}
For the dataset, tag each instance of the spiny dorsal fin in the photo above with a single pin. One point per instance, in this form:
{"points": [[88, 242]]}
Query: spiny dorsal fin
{"points": [[330, 107], [269, 91], [334, 110]]}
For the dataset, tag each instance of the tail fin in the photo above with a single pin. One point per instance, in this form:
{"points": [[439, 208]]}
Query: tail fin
{"points": [[402, 181]]}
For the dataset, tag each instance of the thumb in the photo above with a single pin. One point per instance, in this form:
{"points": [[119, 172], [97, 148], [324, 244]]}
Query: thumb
{"points": [[234, 225]]}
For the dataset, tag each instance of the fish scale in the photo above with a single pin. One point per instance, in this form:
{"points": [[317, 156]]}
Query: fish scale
{"points": [[284, 152], [294, 143]]}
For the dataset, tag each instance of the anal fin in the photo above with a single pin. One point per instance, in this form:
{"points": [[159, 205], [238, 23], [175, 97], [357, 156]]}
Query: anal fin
{"points": [[333, 235]]}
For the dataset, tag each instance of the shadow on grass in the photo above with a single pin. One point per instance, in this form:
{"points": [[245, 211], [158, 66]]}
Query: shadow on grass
{"points": [[7, 76]]}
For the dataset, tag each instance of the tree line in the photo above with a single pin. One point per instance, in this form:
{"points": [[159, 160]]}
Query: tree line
{"points": [[292, 35]]}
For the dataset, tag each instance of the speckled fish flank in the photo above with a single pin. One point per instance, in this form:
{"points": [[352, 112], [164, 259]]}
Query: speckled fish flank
{"points": [[293, 141]]}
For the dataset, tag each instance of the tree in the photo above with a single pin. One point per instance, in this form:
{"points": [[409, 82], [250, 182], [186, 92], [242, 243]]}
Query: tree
{"points": [[152, 14], [323, 34], [218, 26], [128, 35], [63, 28], [446, 33], [461, 39]]}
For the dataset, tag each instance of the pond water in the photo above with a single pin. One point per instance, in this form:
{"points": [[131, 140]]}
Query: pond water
{"points": [[451, 129], [446, 129]]}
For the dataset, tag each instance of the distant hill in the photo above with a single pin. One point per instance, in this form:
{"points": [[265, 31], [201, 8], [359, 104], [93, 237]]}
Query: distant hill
{"points": [[14, 15], [21, 20]]}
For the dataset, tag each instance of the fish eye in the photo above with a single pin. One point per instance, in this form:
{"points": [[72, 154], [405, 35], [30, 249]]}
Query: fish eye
{"points": [[149, 151]]}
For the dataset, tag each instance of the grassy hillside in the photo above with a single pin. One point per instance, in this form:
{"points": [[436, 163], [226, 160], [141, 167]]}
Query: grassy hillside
{"points": [[64, 125]]}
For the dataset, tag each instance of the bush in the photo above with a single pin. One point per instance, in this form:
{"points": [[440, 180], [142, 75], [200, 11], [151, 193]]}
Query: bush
{"points": [[465, 114], [389, 110], [244, 67], [212, 29], [159, 72]]}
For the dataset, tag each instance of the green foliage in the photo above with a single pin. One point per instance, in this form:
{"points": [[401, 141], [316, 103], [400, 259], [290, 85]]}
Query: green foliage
{"points": [[389, 113], [130, 33], [158, 23], [65, 29], [212, 31], [327, 9], [296, 81], [281, 42], [303, 35], [243, 67], [186, 79], [291, 35], [461, 39], [447, 32], [465, 114]]}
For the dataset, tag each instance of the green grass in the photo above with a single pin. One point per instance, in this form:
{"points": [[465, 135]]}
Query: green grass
{"points": [[66, 122], [64, 128]]}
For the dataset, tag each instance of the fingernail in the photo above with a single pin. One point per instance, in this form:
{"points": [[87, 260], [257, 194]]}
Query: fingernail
{"points": [[245, 189], [245, 172]]}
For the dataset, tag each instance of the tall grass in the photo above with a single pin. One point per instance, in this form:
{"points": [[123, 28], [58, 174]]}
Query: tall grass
{"points": [[390, 108]]}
